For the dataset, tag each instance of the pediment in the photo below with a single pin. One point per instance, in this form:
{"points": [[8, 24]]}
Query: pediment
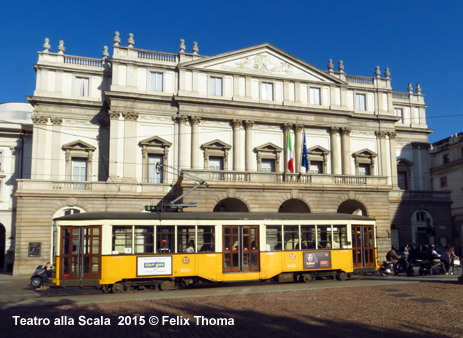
{"points": [[155, 142], [216, 144], [78, 145], [404, 162], [364, 153], [263, 60], [318, 150], [268, 147]]}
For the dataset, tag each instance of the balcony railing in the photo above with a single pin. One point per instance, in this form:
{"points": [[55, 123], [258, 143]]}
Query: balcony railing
{"points": [[222, 176]]}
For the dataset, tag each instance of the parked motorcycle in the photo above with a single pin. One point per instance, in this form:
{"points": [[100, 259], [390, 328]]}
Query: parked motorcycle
{"points": [[41, 275], [388, 268]]}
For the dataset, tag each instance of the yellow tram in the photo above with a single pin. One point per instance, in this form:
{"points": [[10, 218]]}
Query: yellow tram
{"points": [[116, 251]]}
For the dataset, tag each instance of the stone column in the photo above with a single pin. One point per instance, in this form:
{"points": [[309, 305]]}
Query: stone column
{"points": [[195, 156], [392, 149], [237, 151], [130, 146], [382, 153], [39, 145], [298, 148], [114, 144], [56, 149], [417, 180], [346, 155], [183, 156], [335, 152], [248, 151], [286, 130]]}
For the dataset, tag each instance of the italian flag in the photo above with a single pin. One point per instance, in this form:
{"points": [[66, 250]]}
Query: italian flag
{"points": [[290, 153]]}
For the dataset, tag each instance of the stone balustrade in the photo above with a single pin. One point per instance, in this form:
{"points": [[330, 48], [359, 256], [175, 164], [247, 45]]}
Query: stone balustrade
{"points": [[83, 61], [157, 56], [360, 79]]}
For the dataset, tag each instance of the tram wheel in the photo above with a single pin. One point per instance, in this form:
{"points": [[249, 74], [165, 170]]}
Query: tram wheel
{"points": [[117, 288], [342, 276], [307, 278]]}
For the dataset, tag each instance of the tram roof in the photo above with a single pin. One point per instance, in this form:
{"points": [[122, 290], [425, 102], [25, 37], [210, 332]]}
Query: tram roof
{"points": [[211, 216]]}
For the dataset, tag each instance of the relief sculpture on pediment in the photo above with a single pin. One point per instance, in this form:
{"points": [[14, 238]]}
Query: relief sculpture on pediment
{"points": [[261, 64]]}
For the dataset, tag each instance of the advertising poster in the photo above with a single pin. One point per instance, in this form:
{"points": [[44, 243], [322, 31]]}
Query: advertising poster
{"points": [[154, 266], [317, 260]]}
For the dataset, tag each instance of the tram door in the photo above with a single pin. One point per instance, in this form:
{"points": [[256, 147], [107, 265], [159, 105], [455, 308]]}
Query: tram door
{"points": [[80, 252], [240, 248], [363, 246]]}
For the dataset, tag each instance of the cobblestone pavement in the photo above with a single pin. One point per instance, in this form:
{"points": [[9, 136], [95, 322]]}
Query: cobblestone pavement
{"points": [[426, 308]]}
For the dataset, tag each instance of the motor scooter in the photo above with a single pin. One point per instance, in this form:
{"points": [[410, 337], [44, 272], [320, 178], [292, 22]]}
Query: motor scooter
{"points": [[388, 268], [41, 275]]}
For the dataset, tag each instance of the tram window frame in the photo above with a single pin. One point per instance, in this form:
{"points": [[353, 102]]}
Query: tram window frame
{"points": [[308, 234], [161, 236], [204, 243], [291, 237], [147, 239], [126, 236], [339, 238], [327, 242], [273, 245], [183, 238]]}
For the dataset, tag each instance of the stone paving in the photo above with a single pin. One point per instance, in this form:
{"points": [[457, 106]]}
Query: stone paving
{"points": [[430, 308]]}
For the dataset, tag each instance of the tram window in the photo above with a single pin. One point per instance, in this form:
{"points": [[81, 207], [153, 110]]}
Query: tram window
{"points": [[291, 237], [122, 239], [324, 236], [206, 239], [308, 235], [273, 238], [165, 239], [339, 237], [144, 241], [185, 234]]}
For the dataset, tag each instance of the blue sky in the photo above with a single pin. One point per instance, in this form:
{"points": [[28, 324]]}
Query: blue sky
{"points": [[420, 41]]}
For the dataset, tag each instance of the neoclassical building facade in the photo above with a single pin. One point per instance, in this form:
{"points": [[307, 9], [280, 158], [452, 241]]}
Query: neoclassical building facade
{"points": [[102, 125]]}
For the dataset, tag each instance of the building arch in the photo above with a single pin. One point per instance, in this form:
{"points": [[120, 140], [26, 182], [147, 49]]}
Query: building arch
{"points": [[294, 205], [353, 207], [231, 205]]}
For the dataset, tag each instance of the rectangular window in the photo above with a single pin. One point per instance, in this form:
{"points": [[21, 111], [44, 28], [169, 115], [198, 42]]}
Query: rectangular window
{"points": [[186, 239], [291, 237], [324, 236], [154, 176], [156, 82], [273, 238], [446, 159], [364, 169], [398, 112], [316, 167], [308, 237], [122, 239], [165, 239], [206, 239], [268, 165], [144, 239], [315, 96], [267, 91], [82, 86], [443, 182], [216, 86], [215, 163], [339, 237], [360, 102], [79, 169], [402, 180]]}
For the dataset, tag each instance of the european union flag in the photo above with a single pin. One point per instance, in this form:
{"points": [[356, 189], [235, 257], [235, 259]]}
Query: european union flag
{"points": [[305, 156]]}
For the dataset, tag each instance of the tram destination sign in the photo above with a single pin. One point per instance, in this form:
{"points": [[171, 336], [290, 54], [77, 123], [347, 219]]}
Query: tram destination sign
{"points": [[154, 266], [317, 260]]}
